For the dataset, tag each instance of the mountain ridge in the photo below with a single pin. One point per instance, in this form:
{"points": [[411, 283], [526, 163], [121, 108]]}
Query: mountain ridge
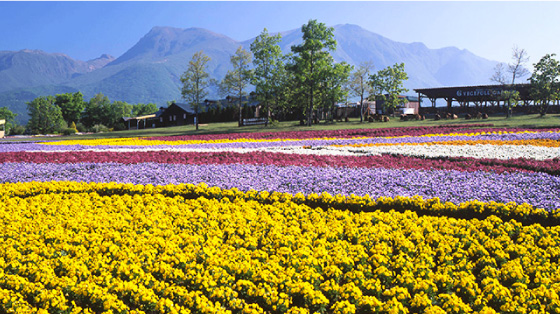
{"points": [[150, 70]]}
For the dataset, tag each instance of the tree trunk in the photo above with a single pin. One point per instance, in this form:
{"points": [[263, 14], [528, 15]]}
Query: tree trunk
{"points": [[361, 108], [196, 118]]}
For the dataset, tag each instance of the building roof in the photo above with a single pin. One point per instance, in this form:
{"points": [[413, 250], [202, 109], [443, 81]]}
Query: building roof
{"points": [[475, 93], [148, 116], [185, 107]]}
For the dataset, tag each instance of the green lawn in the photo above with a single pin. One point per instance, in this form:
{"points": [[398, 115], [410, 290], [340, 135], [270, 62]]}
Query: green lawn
{"points": [[529, 121]]}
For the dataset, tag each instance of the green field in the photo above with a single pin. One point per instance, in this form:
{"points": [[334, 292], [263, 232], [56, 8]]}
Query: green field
{"points": [[525, 121]]}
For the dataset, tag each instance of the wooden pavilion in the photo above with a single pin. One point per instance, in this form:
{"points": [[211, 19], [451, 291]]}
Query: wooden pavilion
{"points": [[477, 95]]}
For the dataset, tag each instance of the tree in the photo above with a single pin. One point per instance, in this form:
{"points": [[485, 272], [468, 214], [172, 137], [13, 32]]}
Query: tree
{"points": [[545, 86], [237, 80], [312, 60], [141, 109], [114, 113], [387, 85], [287, 91], [45, 116], [359, 84], [517, 70], [268, 65], [195, 82], [499, 75], [9, 116], [95, 111], [71, 106], [377, 84], [336, 86], [517, 67]]}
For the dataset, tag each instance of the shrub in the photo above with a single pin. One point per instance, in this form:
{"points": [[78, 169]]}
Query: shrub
{"points": [[99, 128], [81, 127], [69, 131], [17, 130]]}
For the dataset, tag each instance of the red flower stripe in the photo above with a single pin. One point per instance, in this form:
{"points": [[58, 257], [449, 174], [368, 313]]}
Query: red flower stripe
{"points": [[281, 159], [347, 133]]}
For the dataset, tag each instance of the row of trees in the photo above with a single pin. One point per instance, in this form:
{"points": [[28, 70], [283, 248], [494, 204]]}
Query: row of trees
{"points": [[305, 80], [49, 114]]}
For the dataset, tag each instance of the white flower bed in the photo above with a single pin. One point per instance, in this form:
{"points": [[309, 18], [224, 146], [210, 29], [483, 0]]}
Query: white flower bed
{"points": [[432, 151], [428, 151]]}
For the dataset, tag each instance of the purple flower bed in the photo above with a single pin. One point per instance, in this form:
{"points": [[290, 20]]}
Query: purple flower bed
{"points": [[537, 189]]}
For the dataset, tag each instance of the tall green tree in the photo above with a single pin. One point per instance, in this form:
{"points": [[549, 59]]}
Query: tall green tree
{"points": [[268, 66], [96, 111], [312, 61], [237, 80], [336, 86], [45, 116], [196, 82], [387, 84], [287, 92], [71, 105], [359, 84], [141, 109], [545, 86], [9, 116], [115, 112]]}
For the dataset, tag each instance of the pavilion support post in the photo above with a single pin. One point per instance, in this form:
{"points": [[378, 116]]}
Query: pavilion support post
{"points": [[449, 103], [419, 103]]}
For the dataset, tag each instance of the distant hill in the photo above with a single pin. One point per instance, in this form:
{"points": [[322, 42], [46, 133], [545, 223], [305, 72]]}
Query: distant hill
{"points": [[30, 68], [150, 70]]}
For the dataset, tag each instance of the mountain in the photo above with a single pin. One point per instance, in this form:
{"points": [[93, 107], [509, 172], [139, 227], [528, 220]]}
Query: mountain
{"points": [[425, 67], [150, 71], [30, 68]]}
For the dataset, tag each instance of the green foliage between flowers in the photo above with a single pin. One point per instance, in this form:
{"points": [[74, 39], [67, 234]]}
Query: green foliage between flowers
{"points": [[523, 213]]}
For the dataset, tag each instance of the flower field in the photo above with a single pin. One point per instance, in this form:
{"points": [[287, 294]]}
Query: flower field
{"points": [[407, 220]]}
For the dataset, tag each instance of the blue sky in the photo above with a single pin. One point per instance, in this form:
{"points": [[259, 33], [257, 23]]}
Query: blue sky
{"points": [[85, 30]]}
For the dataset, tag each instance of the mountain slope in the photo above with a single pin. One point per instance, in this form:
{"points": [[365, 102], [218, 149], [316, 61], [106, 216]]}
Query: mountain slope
{"points": [[29, 68], [150, 71]]}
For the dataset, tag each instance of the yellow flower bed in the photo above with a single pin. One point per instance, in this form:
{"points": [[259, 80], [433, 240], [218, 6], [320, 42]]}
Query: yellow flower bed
{"points": [[142, 141], [139, 141], [67, 247]]}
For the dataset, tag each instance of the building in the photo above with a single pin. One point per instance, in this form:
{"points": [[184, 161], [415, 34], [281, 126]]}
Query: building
{"points": [[411, 106], [480, 95], [140, 122], [176, 114]]}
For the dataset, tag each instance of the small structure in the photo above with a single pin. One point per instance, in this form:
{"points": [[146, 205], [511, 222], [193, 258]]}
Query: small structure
{"points": [[3, 130], [139, 122], [411, 106]]}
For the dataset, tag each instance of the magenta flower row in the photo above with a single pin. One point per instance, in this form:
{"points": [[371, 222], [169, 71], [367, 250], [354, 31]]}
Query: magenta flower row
{"points": [[348, 133], [280, 159]]}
